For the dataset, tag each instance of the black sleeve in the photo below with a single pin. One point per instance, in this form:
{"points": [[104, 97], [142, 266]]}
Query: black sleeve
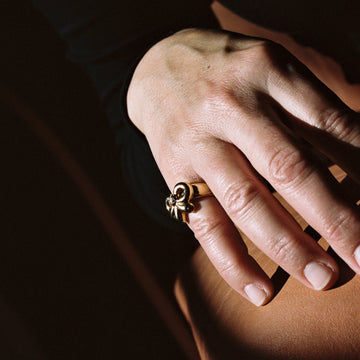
{"points": [[108, 38]]}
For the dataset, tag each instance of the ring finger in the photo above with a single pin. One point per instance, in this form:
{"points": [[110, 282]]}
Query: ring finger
{"points": [[260, 216]]}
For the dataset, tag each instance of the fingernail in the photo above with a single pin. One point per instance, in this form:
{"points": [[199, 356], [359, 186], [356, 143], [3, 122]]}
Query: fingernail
{"points": [[357, 255], [318, 275], [256, 295]]}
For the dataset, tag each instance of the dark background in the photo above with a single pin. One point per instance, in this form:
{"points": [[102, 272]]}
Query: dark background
{"points": [[65, 292]]}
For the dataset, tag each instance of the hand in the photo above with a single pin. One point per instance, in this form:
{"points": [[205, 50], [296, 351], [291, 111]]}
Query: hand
{"points": [[230, 110]]}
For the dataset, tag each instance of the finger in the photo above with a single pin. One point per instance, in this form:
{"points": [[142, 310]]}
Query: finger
{"points": [[326, 121], [261, 217], [305, 185], [227, 252]]}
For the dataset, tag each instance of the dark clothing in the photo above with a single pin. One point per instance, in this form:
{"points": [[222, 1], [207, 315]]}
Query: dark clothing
{"points": [[109, 37]]}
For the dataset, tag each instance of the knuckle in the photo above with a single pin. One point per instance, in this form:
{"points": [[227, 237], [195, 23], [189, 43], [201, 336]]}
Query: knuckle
{"points": [[277, 64], [209, 93], [287, 166], [273, 55], [208, 100], [205, 230], [340, 123], [281, 249], [270, 50], [229, 269], [240, 197], [337, 229]]}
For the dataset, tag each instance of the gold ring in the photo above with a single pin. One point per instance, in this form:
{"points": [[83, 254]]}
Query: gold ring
{"points": [[180, 202]]}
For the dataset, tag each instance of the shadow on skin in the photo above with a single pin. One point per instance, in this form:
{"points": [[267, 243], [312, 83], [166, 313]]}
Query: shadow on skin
{"points": [[345, 272], [299, 323]]}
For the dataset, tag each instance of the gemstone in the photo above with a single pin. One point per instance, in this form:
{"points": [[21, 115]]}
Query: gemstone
{"points": [[172, 200]]}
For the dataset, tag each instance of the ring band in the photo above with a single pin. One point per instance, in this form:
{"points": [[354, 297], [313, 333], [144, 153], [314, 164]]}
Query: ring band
{"points": [[180, 202]]}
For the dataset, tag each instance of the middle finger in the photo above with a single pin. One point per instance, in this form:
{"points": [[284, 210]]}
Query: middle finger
{"points": [[260, 216], [305, 184]]}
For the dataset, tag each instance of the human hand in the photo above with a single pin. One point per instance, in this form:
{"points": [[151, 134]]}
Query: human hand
{"points": [[225, 109]]}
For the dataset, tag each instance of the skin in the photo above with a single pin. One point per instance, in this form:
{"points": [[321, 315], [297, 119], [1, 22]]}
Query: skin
{"points": [[298, 323], [231, 111]]}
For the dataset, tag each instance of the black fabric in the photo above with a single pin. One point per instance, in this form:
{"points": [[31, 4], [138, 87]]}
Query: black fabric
{"points": [[109, 37], [330, 26], [65, 293]]}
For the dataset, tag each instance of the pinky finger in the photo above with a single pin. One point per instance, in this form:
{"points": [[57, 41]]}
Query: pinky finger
{"points": [[226, 250]]}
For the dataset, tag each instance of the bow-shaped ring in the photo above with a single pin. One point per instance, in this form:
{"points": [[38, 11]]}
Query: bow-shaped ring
{"points": [[180, 202]]}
